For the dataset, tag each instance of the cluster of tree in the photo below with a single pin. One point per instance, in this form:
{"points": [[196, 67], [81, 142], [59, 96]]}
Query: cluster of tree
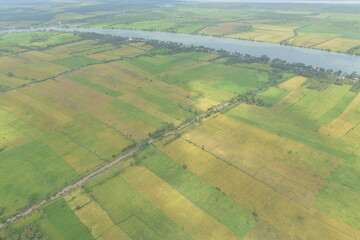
{"points": [[275, 77], [245, 28], [250, 98], [188, 108], [29, 232], [102, 38], [176, 136], [355, 87], [165, 127], [174, 48], [353, 50], [243, 58]]}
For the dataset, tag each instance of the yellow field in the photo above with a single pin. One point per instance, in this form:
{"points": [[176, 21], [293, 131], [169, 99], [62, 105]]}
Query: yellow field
{"points": [[205, 103], [29, 113], [134, 127], [266, 35], [250, 148], [129, 50], [296, 221], [339, 44], [294, 184], [352, 112], [148, 107], [194, 221], [293, 83], [274, 197], [310, 39], [40, 56], [28, 68], [344, 123], [67, 49], [11, 135], [94, 217], [337, 128], [222, 29]]}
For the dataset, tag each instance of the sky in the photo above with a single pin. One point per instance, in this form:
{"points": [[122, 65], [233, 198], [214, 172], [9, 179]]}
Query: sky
{"points": [[287, 1]]}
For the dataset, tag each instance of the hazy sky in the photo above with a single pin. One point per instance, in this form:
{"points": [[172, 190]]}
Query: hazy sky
{"points": [[286, 1]]}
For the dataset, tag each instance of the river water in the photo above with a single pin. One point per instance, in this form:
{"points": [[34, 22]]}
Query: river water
{"points": [[317, 58]]}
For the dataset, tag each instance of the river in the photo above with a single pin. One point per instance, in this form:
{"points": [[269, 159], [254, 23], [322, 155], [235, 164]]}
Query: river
{"points": [[317, 58]]}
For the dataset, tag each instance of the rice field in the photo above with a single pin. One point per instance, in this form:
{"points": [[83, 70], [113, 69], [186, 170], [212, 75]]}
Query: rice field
{"points": [[83, 111], [284, 170]]}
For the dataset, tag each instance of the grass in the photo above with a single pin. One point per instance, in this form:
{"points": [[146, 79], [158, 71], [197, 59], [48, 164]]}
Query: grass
{"points": [[242, 81]]}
